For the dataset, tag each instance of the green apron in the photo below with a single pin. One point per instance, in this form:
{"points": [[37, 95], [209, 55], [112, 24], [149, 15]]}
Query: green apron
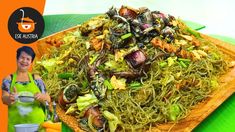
{"points": [[24, 113]]}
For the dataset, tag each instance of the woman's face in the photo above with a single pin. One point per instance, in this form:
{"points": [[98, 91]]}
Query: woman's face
{"points": [[24, 61]]}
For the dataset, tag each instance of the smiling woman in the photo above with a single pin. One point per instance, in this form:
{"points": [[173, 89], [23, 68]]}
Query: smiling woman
{"points": [[22, 83], [25, 56]]}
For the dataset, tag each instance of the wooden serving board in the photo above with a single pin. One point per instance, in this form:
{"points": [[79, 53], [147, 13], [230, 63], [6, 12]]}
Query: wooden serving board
{"points": [[196, 115]]}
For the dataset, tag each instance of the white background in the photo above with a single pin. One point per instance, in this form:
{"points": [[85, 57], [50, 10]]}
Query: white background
{"points": [[217, 15]]}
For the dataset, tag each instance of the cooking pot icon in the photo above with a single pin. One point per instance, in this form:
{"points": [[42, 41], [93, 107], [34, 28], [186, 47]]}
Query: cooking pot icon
{"points": [[26, 25]]}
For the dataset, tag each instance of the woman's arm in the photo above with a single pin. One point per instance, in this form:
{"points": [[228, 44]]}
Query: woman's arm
{"points": [[7, 97], [42, 97]]}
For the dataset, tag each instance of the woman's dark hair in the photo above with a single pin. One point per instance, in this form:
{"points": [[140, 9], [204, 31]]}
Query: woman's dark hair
{"points": [[27, 50]]}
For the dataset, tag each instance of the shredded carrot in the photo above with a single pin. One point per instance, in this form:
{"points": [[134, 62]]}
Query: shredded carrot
{"points": [[52, 130], [51, 125]]}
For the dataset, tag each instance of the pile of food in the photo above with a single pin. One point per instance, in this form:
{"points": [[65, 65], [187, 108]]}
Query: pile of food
{"points": [[130, 69]]}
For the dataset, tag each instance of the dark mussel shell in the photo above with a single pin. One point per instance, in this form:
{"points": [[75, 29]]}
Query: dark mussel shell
{"points": [[68, 95], [97, 119]]}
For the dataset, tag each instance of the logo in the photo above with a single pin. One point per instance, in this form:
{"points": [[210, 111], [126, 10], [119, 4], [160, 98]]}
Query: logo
{"points": [[26, 25]]}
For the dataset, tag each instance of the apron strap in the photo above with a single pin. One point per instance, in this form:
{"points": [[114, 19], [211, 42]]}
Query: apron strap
{"points": [[30, 78]]}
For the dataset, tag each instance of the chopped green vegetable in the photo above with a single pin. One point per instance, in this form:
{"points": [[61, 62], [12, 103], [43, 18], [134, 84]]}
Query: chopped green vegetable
{"points": [[183, 64], [69, 39], [48, 64], [214, 83], [163, 64], [93, 58], [174, 111], [108, 85], [125, 36], [135, 85], [194, 33], [86, 100], [116, 65], [71, 109], [112, 120], [66, 75], [85, 84], [171, 60], [184, 60], [215, 56], [190, 48], [167, 80]]}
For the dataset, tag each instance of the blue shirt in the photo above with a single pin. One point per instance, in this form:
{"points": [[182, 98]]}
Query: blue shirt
{"points": [[6, 83]]}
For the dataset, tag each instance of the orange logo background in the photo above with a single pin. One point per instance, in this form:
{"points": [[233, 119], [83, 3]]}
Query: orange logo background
{"points": [[26, 25], [8, 45]]}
